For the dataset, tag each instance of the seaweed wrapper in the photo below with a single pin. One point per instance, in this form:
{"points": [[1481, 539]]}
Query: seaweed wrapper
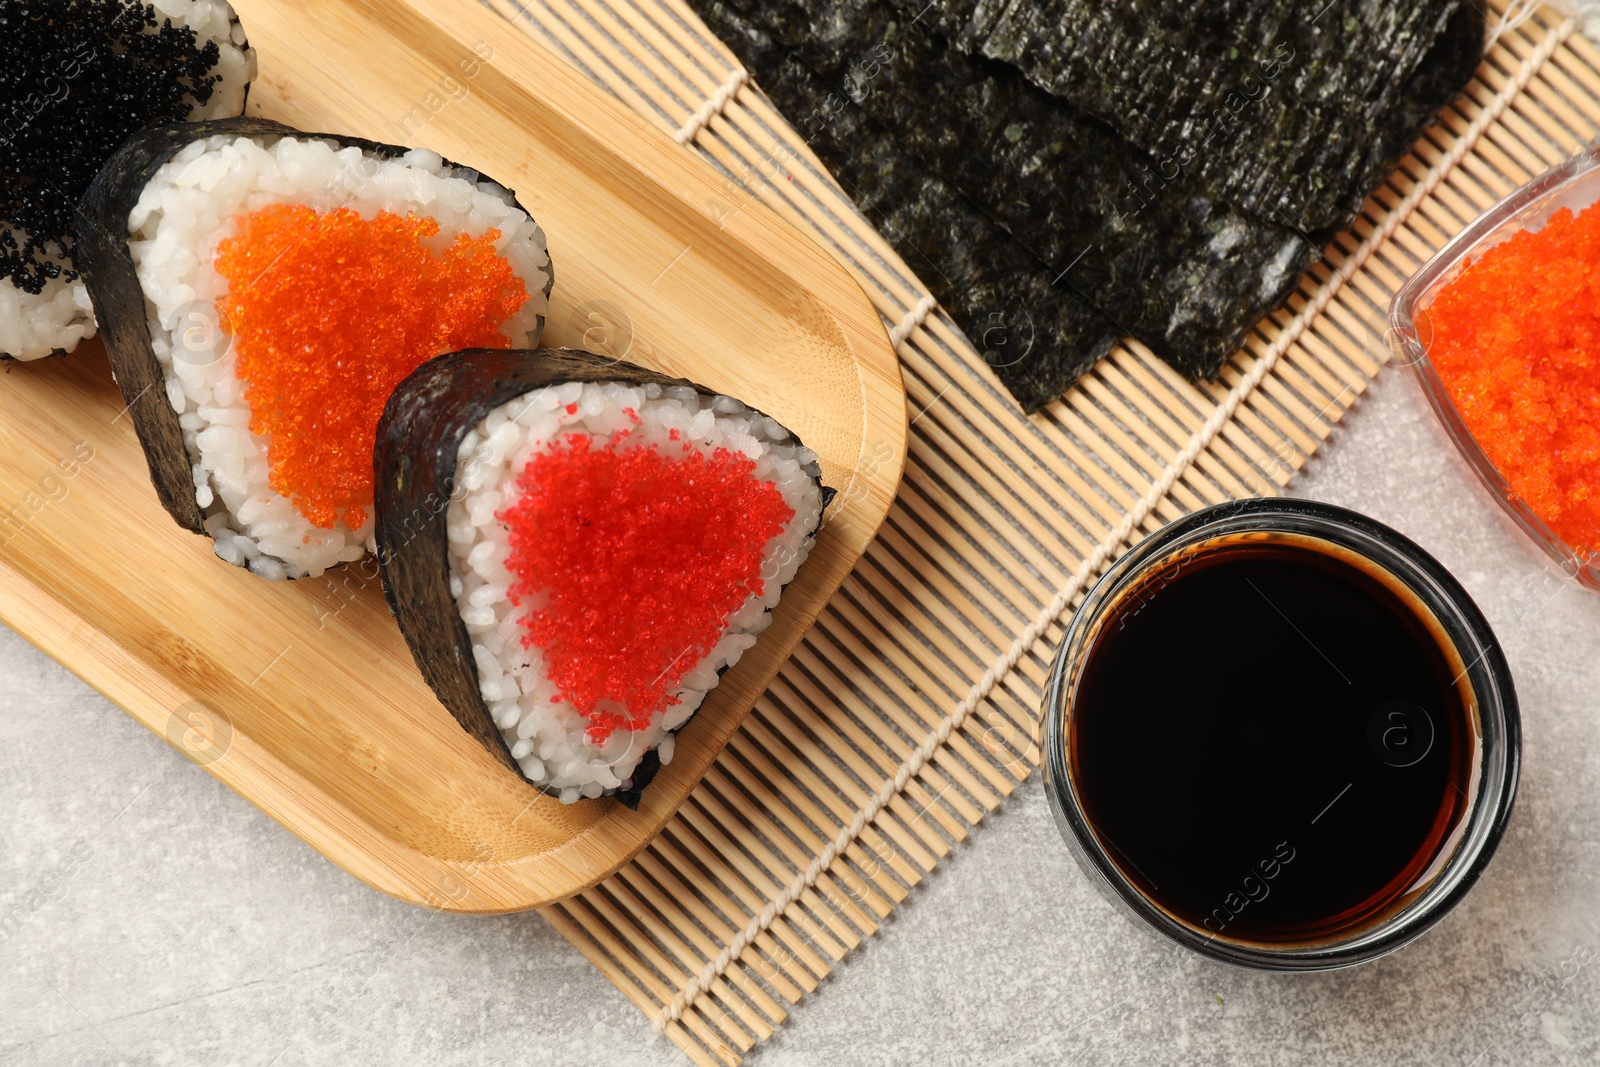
{"points": [[1039, 338], [1273, 104], [1448, 66], [1156, 254]]}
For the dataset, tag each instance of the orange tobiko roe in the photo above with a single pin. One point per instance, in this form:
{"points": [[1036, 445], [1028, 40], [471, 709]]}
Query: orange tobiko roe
{"points": [[329, 311], [630, 562], [1515, 340]]}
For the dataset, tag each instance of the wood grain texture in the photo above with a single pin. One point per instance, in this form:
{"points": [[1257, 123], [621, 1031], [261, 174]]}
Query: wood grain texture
{"points": [[302, 696]]}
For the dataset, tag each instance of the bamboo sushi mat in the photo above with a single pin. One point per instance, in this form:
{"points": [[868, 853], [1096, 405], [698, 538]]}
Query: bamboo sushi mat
{"points": [[911, 709]]}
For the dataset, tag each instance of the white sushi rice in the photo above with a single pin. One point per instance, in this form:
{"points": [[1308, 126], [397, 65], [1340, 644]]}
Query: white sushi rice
{"points": [[185, 211], [33, 325], [547, 737], [214, 20]]}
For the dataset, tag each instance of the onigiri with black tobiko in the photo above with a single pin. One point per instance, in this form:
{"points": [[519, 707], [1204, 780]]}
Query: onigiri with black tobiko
{"points": [[76, 78]]}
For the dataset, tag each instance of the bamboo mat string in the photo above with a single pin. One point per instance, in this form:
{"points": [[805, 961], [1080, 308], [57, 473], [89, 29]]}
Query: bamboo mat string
{"points": [[912, 320], [1516, 13], [712, 107], [1131, 521]]}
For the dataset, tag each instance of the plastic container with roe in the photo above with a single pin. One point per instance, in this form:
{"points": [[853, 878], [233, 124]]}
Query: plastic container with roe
{"points": [[1502, 329]]}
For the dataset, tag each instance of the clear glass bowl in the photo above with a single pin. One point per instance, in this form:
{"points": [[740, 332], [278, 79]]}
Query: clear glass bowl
{"points": [[1493, 786], [1574, 184]]}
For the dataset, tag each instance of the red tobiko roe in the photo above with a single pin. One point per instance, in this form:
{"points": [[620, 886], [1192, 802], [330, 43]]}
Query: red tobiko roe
{"points": [[1516, 342], [635, 560], [329, 311]]}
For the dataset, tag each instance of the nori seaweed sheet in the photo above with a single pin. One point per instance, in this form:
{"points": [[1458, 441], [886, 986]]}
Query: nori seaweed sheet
{"points": [[1038, 337], [113, 282], [1169, 264], [1273, 104], [414, 465], [1447, 67]]}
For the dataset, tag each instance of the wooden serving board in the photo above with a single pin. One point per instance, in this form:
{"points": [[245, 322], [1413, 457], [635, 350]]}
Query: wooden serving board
{"points": [[301, 696]]}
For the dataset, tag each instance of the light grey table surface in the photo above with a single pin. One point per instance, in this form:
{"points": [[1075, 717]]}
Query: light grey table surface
{"points": [[150, 916]]}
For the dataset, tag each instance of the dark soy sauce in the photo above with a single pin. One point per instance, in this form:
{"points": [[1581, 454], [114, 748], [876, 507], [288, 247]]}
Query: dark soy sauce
{"points": [[1270, 741]]}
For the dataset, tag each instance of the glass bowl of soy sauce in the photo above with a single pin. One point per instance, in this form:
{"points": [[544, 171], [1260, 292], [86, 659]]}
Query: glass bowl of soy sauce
{"points": [[1282, 735]]}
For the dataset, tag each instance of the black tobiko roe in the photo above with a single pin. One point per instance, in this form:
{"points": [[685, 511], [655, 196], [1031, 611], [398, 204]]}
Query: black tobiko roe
{"points": [[76, 78]]}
